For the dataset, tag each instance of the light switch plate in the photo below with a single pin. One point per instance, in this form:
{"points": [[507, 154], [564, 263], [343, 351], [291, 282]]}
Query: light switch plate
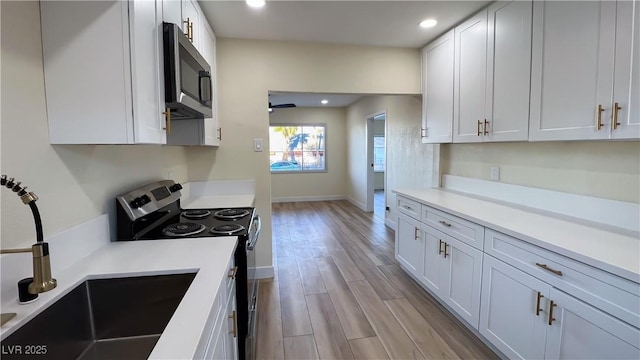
{"points": [[495, 173], [257, 145]]}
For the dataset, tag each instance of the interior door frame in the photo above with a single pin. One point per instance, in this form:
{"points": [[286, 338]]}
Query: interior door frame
{"points": [[369, 199]]}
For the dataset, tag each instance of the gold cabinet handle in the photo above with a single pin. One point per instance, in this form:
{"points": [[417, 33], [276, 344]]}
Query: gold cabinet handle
{"points": [[486, 123], [479, 124], [599, 117], [416, 234], [544, 266], [167, 114], [191, 31], [444, 223], [445, 250], [614, 122], [551, 318], [423, 132], [232, 273], [234, 331], [189, 28], [220, 133], [538, 309], [440, 247]]}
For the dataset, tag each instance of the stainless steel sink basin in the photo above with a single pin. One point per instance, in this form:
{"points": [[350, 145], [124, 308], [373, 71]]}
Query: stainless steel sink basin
{"points": [[102, 319]]}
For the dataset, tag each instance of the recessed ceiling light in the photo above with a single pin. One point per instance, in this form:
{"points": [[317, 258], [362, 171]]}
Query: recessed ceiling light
{"points": [[427, 23], [324, 101], [255, 3]]}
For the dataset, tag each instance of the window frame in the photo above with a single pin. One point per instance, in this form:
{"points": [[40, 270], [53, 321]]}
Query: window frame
{"points": [[385, 153], [301, 171]]}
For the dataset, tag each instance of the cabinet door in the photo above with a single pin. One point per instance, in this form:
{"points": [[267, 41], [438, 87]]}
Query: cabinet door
{"points": [[437, 90], [212, 133], [581, 331], [462, 277], [626, 90], [508, 71], [572, 69], [172, 11], [470, 78], [434, 262], [231, 332], [509, 316], [409, 244]]}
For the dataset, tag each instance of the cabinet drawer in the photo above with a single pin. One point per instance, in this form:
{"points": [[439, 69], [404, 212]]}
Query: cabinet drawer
{"points": [[612, 294], [463, 230], [231, 276], [409, 207]]}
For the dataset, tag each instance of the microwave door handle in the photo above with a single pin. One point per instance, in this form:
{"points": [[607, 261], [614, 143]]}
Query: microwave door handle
{"points": [[205, 87]]}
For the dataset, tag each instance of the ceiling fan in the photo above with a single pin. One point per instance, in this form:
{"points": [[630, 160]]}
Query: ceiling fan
{"points": [[280, 106]]}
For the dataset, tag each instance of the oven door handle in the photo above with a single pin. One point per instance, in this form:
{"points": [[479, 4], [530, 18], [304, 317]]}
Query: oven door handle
{"points": [[252, 242]]}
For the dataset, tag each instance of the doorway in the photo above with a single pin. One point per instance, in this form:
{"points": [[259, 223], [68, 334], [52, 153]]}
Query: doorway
{"points": [[376, 161]]}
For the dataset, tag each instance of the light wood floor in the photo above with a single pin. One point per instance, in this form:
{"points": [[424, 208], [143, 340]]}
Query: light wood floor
{"points": [[338, 293]]}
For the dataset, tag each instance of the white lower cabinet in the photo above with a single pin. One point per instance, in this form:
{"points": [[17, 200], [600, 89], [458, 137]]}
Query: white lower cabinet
{"points": [[409, 244], [526, 318], [222, 342], [453, 271]]}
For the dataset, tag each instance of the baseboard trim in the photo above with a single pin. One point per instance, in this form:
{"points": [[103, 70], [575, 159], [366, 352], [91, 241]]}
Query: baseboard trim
{"points": [[356, 203], [307, 198], [264, 272], [390, 224]]}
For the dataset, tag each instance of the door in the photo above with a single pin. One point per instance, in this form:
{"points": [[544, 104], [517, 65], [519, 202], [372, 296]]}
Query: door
{"points": [[409, 244], [580, 331], [508, 71], [470, 79], [462, 277], [626, 90], [572, 69], [437, 90], [512, 314]]}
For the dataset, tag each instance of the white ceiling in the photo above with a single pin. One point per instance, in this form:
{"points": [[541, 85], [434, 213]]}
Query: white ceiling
{"points": [[376, 23], [371, 23]]}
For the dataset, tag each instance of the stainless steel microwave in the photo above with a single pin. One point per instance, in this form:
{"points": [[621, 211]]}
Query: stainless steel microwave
{"points": [[187, 76]]}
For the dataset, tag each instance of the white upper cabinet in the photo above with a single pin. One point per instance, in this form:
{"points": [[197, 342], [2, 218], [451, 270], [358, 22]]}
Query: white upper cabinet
{"points": [[437, 89], [626, 90], [192, 22], [470, 78], [492, 74], [583, 64], [102, 69]]}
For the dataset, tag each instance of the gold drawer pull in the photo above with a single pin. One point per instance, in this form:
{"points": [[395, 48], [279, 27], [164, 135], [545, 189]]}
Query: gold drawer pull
{"points": [[538, 309], [167, 114], [544, 266], [444, 223], [479, 124], [234, 331], [445, 250], [486, 123], [233, 272], [551, 318], [416, 234], [440, 247]]}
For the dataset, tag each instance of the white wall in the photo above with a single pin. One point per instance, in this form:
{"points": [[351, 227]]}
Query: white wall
{"points": [[74, 182], [605, 169], [314, 186], [248, 69], [409, 162]]}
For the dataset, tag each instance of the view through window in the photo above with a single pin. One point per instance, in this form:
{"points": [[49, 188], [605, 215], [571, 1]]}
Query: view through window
{"points": [[297, 148]]}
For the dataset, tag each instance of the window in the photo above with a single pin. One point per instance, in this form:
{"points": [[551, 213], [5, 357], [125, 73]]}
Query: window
{"points": [[378, 154], [297, 148]]}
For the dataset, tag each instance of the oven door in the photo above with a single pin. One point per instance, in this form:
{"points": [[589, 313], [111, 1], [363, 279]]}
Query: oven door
{"points": [[252, 288], [187, 77]]}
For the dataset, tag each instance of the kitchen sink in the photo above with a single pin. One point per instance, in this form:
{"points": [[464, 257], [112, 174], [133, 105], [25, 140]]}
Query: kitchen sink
{"points": [[102, 319]]}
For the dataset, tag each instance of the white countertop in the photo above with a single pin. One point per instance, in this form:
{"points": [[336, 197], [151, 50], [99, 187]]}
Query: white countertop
{"points": [[218, 201], [610, 251], [180, 339]]}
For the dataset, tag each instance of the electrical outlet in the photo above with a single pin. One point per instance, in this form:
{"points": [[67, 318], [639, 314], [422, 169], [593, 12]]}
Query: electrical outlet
{"points": [[495, 173], [170, 175]]}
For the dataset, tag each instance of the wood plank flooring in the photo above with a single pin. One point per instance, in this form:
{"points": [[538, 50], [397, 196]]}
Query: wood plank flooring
{"points": [[338, 293]]}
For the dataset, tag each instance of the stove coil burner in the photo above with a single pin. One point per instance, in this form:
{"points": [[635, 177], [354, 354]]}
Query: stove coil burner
{"points": [[183, 229], [228, 229], [231, 214], [196, 214]]}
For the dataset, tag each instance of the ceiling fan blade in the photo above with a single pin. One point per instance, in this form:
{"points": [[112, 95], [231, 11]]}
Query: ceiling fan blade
{"points": [[282, 106]]}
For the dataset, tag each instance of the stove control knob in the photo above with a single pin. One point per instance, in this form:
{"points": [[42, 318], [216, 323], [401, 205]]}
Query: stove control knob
{"points": [[140, 201], [175, 187], [145, 199]]}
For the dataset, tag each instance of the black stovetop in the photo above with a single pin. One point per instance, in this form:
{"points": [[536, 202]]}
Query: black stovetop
{"points": [[221, 227]]}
